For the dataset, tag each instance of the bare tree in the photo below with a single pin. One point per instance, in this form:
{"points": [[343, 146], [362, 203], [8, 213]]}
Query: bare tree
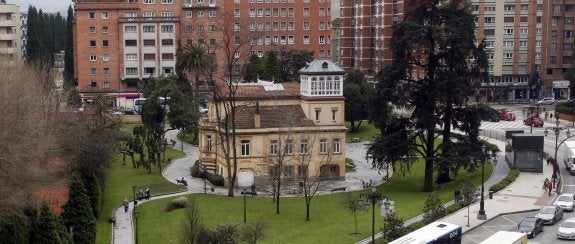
{"points": [[351, 204], [254, 232], [191, 226]]}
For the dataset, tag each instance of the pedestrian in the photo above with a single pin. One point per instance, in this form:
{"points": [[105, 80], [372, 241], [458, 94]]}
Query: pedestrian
{"points": [[548, 161], [126, 204], [546, 115], [550, 188], [551, 115], [545, 183], [147, 193]]}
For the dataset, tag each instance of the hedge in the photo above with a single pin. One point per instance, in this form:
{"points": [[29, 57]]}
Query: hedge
{"points": [[197, 172], [513, 174]]}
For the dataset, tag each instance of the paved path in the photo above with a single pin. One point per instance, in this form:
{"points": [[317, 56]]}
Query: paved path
{"points": [[123, 232]]}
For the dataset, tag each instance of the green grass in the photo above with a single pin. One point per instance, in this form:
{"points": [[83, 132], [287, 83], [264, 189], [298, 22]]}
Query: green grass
{"points": [[188, 138], [119, 182], [349, 165], [330, 222], [366, 132]]}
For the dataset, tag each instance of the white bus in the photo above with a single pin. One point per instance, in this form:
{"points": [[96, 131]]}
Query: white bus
{"points": [[434, 233], [506, 237], [139, 102]]}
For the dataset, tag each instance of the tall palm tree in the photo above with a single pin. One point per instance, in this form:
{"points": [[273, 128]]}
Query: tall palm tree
{"points": [[196, 59]]}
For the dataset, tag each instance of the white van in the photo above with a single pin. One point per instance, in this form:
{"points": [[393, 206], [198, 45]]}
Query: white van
{"points": [[506, 237], [569, 156]]}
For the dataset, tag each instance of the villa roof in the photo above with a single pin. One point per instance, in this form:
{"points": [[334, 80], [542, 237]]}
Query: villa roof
{"points": [[252, 91], [272, 117], [321, 66]]}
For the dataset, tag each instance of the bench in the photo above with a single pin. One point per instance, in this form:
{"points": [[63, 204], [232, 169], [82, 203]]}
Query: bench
{"points": [[338, 189]]}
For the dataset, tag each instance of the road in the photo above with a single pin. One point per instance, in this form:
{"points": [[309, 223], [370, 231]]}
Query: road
{"points": [[509, 222]]}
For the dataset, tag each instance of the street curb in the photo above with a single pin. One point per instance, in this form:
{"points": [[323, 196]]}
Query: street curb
{"points": [[512, 212]]}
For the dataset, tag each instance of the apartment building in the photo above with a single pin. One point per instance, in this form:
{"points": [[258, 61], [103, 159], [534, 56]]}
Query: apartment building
{"points": [[10, 39], [300, 126], [120, 42], [513, 35], [24, 33], [558, 40]]}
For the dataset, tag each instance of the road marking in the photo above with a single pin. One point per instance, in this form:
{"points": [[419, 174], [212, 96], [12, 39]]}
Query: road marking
{"points": [[568, 185], [505, 217]]}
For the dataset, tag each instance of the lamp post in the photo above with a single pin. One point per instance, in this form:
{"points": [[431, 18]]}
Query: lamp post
{"points": [[136, 213], [557, 129], [134, 191], [372, 198], [481, 214], [205, 178], [244, 192]]}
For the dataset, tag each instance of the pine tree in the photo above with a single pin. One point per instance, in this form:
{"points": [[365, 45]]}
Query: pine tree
{"points": [[78, 213], [272, 67], [69, 52], [48, 228]]}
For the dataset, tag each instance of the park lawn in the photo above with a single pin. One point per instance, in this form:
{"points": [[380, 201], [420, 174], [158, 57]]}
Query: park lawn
{"points": [[366, 132], [119, 182], [330, 221]]}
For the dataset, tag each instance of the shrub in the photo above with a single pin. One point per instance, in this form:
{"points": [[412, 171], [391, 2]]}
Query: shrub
{"points": [[180, 202], [224, 234], [195, 170], [513, 174], [216, 180]]}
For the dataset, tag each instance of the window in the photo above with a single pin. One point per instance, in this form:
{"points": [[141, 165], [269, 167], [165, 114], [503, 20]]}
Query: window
{"points": [[236, 26], [200, 14], [507, 43], [306, 12], [149, 28], [553, 47], [245, 147], [509, 19], [92, 43], [105, 29], [149, 1], [274, 147], [489, 8], [93, 58], [306, 25], [524, 7], [287, 171], [333, 114], [237, 12], [200, 28], [507, 31], [289, 147], [167, 1], [131, 71], [335, 145], [322, 146], [554, 21], [537, 43], [105, 43], [149, 42], [189, 14], [303, 147], [522, 43], [489, 44], [106, 84], [507, 55], [509, 8], [130, 28], [93, 71], [568, 34], [212, 14], [317, 113], [209, 143], [489, 20], [321, 11], [105, 57], [523, 31], [92, 15], [302, 170], [553, 60], [489, 32], [131, 43], [130, 15], [150, 56], [236, 54], [131, 56], [321, 39], [149, 71], [167, 28], [92, 29], [213, 28], [568, 20], [167, 42], [305, 39], [567, 46], [167, 56], [106, 71], [556, 8], [104, 15]]}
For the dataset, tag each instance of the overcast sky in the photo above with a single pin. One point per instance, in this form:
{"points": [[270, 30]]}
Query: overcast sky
{"points": [[46, 5]]}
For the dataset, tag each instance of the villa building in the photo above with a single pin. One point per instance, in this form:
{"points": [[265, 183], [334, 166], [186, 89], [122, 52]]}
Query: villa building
{"points": [[299, 126]]}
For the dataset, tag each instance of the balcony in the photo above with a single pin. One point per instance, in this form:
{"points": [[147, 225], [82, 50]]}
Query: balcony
{"points": [[198, 5], [148, 19], [4, 37]]}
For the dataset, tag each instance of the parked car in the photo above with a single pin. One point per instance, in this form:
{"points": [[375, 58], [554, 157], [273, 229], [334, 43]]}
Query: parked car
{"points": [[567, 229], [535, 121], [546, 101], [565, 201], [550, 214], [507, 115], [531, 226]]}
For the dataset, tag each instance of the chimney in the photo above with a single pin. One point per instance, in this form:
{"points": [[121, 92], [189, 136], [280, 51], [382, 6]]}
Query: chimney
{"points": [[257, 119]]}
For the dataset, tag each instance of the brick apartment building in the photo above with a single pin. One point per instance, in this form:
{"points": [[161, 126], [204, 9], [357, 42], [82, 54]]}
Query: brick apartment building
{"points": [[558, 40], [513, 35], [117, 43]]}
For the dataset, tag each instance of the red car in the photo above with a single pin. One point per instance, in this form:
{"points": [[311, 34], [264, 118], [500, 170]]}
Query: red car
{"points": [[535, 121], [507, 115]]}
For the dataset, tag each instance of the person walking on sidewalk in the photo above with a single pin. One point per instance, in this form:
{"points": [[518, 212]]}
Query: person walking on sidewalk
{"points": [[550, 188], [545, 184]]}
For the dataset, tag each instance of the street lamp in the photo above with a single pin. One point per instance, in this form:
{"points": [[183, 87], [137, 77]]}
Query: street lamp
{"points": [[244, 192], [205, 178], [557, 129], [136, 213], [481, 215], [372, 198], [134, 191]]}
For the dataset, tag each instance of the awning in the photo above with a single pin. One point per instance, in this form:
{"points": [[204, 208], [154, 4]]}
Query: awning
{"points": [[129, 95]]}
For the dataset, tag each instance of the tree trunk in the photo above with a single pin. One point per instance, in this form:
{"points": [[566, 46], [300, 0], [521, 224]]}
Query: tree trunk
{"points": [[443, 174], [307, 211], [278, 196], [428, 180]]}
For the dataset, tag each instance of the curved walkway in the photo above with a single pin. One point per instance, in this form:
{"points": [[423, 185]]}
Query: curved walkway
{"points": [[123, 232]]}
